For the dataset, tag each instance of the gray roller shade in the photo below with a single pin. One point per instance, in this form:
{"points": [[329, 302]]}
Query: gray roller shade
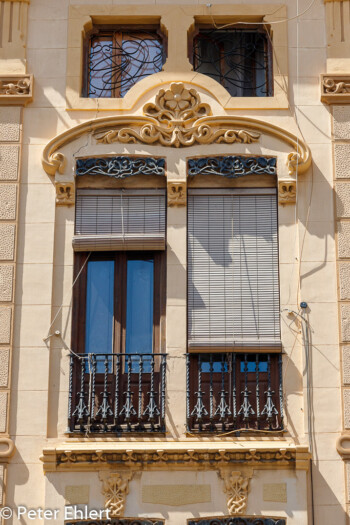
{"points": [[119, 220], [233, 284]]}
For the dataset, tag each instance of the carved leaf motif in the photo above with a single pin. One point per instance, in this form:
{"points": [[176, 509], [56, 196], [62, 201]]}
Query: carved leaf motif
{"points": [[175, 121]]}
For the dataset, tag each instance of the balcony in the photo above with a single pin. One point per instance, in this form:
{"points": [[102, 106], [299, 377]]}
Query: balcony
{"points": [[116, 393], [231, 392], [239, 520]]}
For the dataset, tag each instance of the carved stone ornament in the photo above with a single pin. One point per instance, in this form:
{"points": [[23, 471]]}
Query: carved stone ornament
{"points": [[80, 457], [65, 194], [178, 118], [115, 487], [177, 193], [287, 191], [335, 89], [236, 488], [16, 89]]}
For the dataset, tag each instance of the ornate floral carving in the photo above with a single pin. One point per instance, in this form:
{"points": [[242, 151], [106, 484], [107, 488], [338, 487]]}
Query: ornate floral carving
{"points": [[331, 86], [115, 487], [335, 89], [65, 195], [287, 191], [175, 120], [18, 87], [121, 167], [177, 193], [236, 488]]}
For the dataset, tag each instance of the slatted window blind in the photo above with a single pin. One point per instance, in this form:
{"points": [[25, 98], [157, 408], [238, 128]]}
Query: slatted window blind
{"points": [[233, 284], [119, 220]]}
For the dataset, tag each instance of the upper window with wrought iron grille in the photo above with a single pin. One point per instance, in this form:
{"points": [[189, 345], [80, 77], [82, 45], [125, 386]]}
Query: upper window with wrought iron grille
{"points": [[238, 58], [115, 59]]}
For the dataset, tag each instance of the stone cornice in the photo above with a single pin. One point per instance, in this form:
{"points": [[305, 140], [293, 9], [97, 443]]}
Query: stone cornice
{"points": [[335, 89], [87, 456], [176, 119], [16, 90]]}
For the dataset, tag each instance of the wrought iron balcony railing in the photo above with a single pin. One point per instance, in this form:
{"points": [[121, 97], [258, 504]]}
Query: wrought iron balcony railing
{"points": [[238, 520], [117, 393], [234, 392]]}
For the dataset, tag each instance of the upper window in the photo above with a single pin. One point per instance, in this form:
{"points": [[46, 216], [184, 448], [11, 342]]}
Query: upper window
{"points": [[237, 58], [115, 59]]}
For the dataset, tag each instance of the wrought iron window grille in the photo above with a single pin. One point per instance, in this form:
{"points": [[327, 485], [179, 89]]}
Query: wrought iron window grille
{"points": [[116, 59], [238, 58], [117, 393], [234, 392], [120, 167], [236, 520]]}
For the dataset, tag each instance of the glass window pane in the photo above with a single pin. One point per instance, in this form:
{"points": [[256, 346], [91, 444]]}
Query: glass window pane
{"points": [[99, 307], [100, 67], [141, 57], [139, 306]]}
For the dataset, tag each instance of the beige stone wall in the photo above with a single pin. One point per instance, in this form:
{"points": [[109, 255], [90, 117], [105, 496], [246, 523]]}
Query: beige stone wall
{"points": [[308, 265]]}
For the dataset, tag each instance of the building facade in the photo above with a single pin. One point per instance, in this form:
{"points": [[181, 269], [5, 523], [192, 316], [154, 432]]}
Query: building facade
{"points": [[175, 262]]}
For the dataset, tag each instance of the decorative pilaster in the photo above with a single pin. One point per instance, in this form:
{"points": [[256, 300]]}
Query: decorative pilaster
{"points": [[13, 25]]}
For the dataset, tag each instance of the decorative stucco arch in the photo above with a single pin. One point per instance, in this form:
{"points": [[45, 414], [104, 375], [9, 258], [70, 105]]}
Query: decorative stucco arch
{"points": [[178, 119]]}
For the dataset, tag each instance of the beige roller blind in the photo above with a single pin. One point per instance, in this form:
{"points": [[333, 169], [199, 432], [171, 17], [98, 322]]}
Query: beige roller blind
{"points": [[233, 283], [119, 220]]}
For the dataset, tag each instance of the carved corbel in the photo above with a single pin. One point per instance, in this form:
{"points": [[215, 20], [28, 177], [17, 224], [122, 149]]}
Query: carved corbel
{"points": [[16, 89], [236, 489], [335, 89], [287, 191], [177, 194], [115, 487], [65, 194]]}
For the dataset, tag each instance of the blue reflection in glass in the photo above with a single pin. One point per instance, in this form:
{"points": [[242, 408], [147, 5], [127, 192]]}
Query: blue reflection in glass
{"points": [[139, 306], [251, 364], [216, 362], [99, 309]]}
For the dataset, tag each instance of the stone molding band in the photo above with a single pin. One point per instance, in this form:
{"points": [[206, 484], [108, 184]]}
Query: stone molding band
{"points": [[104, 456]]}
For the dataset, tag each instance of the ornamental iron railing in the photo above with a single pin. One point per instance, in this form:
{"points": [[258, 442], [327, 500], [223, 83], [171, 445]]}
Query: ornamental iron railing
{"points": [[116, 393], [238, 520], [118, 521], [234, 392], [239, 59]]}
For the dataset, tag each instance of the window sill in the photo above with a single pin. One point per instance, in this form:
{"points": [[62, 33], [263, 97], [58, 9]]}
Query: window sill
{"points": [[77, 103]]}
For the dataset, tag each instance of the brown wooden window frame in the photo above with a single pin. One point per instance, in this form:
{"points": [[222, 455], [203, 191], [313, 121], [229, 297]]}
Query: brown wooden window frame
{"points": [[116, 33], [120, 259]]}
